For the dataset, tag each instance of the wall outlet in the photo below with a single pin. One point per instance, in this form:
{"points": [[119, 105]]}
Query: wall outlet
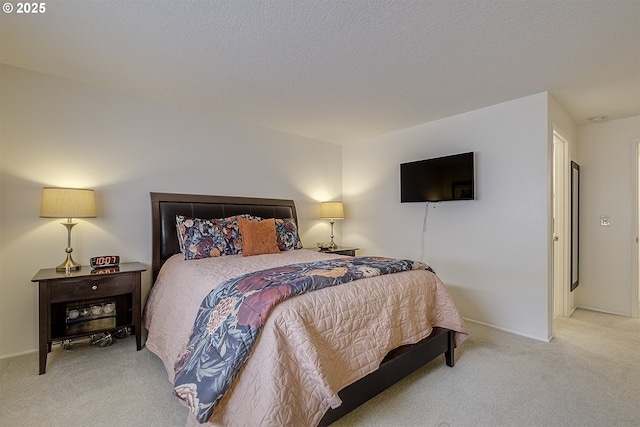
{"points": [[605, 221]]}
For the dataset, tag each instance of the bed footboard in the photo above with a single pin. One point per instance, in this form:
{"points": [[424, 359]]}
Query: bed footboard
{"points": [[399, 363]]}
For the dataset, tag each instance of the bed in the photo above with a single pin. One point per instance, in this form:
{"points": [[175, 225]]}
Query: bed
{"points": [[298, 373]]}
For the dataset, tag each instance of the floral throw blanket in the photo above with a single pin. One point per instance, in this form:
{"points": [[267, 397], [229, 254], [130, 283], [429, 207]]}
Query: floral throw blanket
{"points": [[232, 315]]}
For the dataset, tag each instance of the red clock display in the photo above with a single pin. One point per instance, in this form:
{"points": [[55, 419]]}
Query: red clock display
{"points": [[105, 261]]}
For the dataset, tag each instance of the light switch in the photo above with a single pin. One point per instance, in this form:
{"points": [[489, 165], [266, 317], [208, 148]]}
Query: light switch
{"points": [[605, 221]]}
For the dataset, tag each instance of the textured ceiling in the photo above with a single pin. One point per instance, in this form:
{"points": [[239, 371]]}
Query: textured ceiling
{"points": [[339, 70]]}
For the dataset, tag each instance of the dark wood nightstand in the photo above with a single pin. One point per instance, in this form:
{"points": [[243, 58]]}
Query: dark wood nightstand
{"points": [[86, 302], [341, 250]]}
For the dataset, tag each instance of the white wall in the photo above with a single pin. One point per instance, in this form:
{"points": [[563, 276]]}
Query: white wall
{"points": [[492, 253], [59, 133], [607, 173]]}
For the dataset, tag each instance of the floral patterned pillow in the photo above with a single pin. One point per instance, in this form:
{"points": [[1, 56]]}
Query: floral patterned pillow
{"points": [[204, 238], [199, 238], [287, 234], [230, 231]]}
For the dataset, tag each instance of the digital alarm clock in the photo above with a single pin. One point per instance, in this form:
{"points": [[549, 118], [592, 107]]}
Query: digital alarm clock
{"points": [[104, 261]]}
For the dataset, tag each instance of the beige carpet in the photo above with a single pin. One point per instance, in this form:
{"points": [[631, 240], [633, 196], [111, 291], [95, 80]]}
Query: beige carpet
{"points": [[589, 375]]}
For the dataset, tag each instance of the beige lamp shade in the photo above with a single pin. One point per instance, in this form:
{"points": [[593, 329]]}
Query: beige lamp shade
{"points": [[332, 210], [67, 203]]}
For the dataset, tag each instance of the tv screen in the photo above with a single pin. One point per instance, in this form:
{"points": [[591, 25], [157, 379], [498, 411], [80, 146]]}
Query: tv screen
{"points": [[439, 179]]}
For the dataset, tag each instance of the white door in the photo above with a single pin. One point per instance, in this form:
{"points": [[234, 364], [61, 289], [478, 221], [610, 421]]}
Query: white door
{"points": [[561, 225]]}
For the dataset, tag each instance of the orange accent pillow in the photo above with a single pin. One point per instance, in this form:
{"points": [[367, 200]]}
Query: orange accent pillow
{"points": [[258, 237]]}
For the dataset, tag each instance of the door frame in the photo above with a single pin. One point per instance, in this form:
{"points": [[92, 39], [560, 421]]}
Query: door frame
{"points": [[635, 287]]}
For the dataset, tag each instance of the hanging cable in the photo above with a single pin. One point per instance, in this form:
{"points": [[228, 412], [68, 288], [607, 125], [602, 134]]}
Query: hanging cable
{"points": [[424, 229], [424, 232]]}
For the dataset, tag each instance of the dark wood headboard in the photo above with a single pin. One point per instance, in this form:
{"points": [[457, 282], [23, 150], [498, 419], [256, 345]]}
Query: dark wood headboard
{"points": [[165, 207]]}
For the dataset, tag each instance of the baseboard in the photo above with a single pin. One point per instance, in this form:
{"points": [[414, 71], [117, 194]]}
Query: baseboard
{"points": [[466, 319], [22, 353], [603, 311]]}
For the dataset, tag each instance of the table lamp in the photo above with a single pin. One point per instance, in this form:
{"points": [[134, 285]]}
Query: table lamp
{"points": [[332, 211], [68, 203]]}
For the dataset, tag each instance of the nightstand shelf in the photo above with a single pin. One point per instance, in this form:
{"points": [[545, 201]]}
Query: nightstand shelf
{"points": [[341, 250], [87, 302], [63, 328]]}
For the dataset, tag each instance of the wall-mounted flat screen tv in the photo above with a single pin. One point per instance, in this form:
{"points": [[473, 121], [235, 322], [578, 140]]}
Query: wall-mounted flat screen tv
{"points": [[438, 179]]}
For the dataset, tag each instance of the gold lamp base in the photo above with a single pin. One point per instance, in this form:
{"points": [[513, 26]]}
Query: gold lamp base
{"points": [[69, 264], [333, 244]]}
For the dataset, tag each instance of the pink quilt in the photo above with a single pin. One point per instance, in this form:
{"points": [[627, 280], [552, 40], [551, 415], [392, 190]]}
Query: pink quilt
{"points": [[311, 346]]}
